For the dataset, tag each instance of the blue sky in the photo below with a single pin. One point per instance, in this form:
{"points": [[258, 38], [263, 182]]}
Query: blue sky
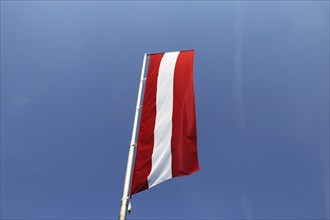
{"points": [[69, 80]]}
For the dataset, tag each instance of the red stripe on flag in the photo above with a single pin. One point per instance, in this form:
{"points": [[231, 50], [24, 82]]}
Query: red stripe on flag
{"points": [[184, 136], [145, 144]]}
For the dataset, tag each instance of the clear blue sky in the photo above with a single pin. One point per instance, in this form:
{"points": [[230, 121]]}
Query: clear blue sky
{"points": [[69, 81]]}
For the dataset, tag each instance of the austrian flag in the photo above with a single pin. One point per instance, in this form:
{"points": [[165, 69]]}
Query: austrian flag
{"points": [[167, 139]]}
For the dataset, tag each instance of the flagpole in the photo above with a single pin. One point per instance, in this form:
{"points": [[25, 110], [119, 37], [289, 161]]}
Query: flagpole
{"points": [[131, 153]]}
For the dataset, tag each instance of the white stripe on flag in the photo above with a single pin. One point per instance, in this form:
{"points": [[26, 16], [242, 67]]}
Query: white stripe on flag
{"points": [[161, 168]]}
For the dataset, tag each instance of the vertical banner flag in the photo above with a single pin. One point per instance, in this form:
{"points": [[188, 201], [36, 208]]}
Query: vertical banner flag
{"points": [[167, 140]]}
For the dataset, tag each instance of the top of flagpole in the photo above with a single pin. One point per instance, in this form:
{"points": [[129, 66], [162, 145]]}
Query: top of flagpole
{"points": [[148, 54]]}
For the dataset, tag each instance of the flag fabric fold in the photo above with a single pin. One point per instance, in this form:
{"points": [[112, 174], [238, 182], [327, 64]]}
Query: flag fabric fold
{"points": [[167, 140]]}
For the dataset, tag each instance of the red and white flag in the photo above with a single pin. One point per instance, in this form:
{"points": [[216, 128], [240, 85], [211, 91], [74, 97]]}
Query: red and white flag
{"points": [[167, 141]]}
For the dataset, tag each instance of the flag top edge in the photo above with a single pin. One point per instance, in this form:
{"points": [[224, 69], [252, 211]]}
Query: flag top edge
{"points": [[148, 54]]}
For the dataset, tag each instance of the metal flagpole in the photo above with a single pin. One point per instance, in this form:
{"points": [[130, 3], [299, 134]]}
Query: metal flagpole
{"points": [[131, 153]]}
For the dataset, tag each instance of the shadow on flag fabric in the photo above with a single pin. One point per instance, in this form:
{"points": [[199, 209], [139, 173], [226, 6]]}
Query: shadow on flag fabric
{"points": [[167, 140]]}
